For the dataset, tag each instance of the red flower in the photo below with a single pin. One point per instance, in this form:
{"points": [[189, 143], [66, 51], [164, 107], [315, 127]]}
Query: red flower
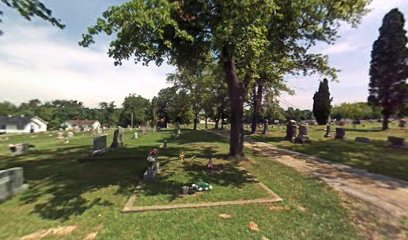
{"points": [[154, 152]]}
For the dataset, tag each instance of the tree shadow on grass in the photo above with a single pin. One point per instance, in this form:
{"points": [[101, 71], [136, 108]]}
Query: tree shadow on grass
{"points": [[193, 136], [171, 180], [374, 156], [268, 138], [57, 180]]}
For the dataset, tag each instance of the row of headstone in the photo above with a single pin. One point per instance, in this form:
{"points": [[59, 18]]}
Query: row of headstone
{"points": [[100, 143], [303, 135], [11, 182]]}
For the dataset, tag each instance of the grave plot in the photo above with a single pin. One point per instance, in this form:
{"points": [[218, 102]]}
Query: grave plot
{"points": [[231, 184]]}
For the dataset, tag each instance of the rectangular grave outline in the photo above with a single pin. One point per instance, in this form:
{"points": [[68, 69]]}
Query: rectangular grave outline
{"points": [[130, 208]]}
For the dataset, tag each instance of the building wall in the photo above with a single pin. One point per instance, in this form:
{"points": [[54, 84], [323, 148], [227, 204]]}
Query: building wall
{"points": [[36, 125]]}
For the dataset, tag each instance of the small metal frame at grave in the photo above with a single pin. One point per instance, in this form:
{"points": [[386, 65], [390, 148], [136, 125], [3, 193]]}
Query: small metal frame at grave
{"points": [[165, 144]]}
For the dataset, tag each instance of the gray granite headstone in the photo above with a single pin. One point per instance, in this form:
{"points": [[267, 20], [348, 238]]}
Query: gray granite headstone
{"points": [[340, 133], [11, 182], [99, 143], [328, 129], [120, 139], [396, 141], [115, 140], [177, 131], [291, 130], [303, 136], [266, 123]]}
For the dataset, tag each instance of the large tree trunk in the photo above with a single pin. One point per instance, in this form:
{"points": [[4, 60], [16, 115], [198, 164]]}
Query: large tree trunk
{"points": [[254, 111], [195, 121], [257, 101], [222, 119], [385, 121], [236, 95]]}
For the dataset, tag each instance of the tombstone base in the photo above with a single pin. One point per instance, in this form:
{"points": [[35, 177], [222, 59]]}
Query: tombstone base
{"points": [[362, 140], [149, 176], [303, 139], [396, 142]]}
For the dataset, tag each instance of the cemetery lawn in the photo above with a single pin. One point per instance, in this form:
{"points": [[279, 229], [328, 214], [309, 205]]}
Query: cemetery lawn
{"points": [[375, 156], [68, 188]]}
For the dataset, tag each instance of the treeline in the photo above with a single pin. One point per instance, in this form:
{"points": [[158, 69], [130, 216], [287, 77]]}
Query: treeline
{"points": [[58, 111]]}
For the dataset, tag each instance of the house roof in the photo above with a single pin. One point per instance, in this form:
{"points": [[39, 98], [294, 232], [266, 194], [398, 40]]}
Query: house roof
{"points": [[82, 122], [19, 121]]}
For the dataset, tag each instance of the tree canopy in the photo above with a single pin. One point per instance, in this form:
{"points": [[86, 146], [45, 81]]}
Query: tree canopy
{"points": [[243, 35], [32, 8], [388, 86], [322, 103]]}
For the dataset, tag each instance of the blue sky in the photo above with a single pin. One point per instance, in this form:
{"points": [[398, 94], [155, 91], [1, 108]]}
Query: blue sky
{"points": [[41, 61]]}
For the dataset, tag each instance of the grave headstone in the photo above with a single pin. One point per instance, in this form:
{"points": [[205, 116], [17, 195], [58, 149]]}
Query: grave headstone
{"points": [[120, 139], [303, 136], [340, 133], [396, 141], [291, 130], [99, 142], [177, 131], [266, 123], [19, 149], [135, 136], [11, 182], [60, 135], [115, 140], [70, 134], [152, 169], [328, 129], [362, 140], [402, 123]]}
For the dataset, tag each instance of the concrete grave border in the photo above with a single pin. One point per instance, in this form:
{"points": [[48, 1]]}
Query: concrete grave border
{"points": [[130, 208]]}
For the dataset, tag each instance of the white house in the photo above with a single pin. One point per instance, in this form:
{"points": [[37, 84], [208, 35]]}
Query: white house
{"points": [[22, 124], [82, 125]]}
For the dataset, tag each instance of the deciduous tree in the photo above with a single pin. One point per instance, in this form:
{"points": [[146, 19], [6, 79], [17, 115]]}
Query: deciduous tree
{"points": [[238, 33]]}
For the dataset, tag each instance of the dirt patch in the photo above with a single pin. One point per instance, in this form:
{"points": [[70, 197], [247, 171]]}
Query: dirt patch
{"points": [[377, 204], [55, 232], [92, 235]]}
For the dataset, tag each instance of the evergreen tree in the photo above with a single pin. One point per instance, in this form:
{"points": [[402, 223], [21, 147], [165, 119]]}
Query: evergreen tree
{"points": [[389, 68], [322, 103]]}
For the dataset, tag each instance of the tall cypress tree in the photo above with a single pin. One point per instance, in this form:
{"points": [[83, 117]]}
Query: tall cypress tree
{"points": [[389, 67], [322, 103]]}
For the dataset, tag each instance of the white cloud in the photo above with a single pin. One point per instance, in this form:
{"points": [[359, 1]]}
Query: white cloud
{"points": [[338, 48], [38, 62]]}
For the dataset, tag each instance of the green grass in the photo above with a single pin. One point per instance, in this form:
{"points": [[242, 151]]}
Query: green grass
{"points": [[69, 188], [375, 156]]}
